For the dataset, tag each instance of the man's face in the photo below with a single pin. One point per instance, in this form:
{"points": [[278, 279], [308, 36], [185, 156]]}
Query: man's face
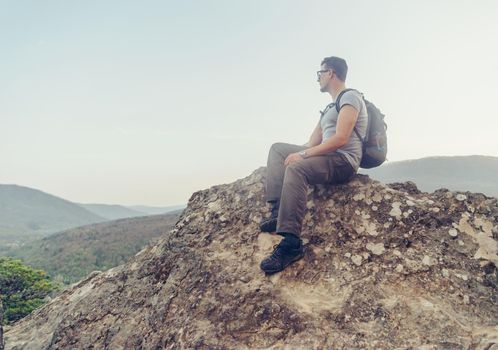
{"points": [[324, 75]]}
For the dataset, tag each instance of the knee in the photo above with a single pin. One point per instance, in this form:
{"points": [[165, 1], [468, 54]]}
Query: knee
{"points": [[276, 147], [294, 168]]}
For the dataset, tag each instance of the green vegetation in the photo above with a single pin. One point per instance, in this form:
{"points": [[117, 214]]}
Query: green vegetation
{"points": [[22, 288], [70, 255]]}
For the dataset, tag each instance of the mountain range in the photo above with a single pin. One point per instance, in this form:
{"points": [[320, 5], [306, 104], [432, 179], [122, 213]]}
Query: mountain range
{"points": [[28, 214], [115, 211], [459, 173]]}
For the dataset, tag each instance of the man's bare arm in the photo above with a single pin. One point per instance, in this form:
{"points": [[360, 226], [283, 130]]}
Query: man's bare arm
{"points": [[345, 124], [316, 136]]}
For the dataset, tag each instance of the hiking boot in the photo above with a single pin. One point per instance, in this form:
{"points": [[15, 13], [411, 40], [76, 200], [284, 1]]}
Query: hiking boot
{"points": [[280, 258], [270, 224]]}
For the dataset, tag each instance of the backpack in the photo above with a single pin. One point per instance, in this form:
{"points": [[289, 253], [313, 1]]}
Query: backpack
{"points": [[375, 143]]}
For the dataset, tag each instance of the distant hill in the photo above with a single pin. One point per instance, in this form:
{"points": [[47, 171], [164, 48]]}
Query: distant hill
{"points": [[27, 213], [72, 254], [460, 173], [157, 210], [112, 212]]}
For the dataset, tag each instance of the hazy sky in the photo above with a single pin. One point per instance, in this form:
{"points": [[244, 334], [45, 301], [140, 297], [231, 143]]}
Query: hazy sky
{"points": [[145, 102]]}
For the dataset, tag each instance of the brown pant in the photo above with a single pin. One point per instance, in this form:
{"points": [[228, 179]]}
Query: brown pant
{"points": [[289, 184]]}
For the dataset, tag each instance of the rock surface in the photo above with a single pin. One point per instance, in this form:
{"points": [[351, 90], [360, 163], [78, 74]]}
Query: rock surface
{"points": [[1, 325], [380, 272]]}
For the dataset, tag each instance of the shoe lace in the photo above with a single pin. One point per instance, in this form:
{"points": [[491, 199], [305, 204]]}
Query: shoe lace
{"points": [[277, 251]]}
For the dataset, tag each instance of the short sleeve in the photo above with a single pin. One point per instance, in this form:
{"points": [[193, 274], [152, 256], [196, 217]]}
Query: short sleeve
{"points": [[351, 98]]}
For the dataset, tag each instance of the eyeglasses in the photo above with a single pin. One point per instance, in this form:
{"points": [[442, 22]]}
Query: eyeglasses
{"points": [[319, 73]]}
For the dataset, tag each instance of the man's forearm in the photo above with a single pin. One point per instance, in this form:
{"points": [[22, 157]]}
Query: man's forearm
{"points": [[315, 138], [313, 142], [330, 145]]}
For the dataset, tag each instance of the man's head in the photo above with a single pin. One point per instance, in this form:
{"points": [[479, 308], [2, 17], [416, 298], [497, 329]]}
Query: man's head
{"points": [[333, 71]]}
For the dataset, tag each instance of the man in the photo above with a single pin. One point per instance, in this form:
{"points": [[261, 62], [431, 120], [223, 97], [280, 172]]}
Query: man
{"points": [[332, 155]]}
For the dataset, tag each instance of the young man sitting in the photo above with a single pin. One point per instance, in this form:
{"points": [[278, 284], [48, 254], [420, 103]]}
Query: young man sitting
{"points": [[332, 155]]}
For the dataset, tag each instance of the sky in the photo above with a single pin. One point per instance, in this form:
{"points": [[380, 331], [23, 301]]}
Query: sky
{"points": [[146, 102]]}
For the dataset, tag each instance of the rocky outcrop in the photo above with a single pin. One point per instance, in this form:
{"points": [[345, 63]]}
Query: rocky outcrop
{"points": [[385, 268], [1, 325]]}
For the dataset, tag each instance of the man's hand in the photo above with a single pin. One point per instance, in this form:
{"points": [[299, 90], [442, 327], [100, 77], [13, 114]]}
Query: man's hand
{"points": [[291, 158]]}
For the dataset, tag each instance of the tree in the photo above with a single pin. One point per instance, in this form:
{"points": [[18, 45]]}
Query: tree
{"points": [[22, 288]]}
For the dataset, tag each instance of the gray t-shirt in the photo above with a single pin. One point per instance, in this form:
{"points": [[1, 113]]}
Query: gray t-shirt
{"points": [[328, 122]]}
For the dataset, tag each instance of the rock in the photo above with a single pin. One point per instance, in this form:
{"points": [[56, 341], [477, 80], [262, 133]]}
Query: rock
{"points": [[200, 286], [453, 232], [408, 187], [377, 197], [357, 259], [376, 249], [396, 211], [427, 260], [359, 196], [245, 278], [1, 326], [461, 197]]}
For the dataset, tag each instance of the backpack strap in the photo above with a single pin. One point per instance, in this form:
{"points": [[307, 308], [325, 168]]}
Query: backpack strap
{"points": [[338, 99], [337, 108], [329, 106], [358, 134], [336, 103]]}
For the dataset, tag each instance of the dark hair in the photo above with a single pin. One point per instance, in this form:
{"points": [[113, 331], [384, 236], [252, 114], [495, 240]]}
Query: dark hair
{"points": [[339, 66]]}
